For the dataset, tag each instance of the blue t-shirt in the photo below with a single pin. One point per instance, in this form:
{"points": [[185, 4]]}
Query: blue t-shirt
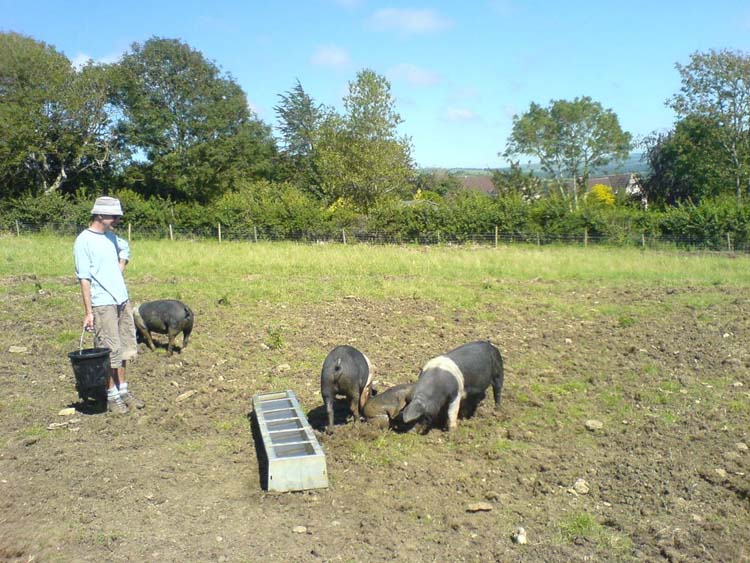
{"points": [[97, 259]]}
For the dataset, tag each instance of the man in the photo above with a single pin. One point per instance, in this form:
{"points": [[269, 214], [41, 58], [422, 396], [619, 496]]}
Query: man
{"points": [[100, 259]]}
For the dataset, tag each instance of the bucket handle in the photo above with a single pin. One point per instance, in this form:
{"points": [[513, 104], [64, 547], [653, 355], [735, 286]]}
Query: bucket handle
{"points": [[80, 344]]}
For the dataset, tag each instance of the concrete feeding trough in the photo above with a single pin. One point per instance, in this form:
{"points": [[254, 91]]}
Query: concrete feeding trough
{"points": [[295, 461]]}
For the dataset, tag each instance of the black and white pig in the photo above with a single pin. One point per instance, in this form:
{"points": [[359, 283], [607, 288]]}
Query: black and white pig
{"points": [[166, 316], [346, 371], [454, 380]]}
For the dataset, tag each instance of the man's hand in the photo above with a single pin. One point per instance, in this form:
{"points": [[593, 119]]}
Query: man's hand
{"points": [[88, 322]]}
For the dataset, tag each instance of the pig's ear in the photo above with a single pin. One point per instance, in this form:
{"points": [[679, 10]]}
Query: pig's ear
{"points": [[412, 412]]}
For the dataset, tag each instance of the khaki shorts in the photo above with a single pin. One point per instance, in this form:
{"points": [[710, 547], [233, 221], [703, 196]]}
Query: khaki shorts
{"points": [[114, 329]]}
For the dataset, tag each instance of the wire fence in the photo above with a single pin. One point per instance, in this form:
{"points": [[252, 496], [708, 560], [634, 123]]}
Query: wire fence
{"points": [[720, 242]]}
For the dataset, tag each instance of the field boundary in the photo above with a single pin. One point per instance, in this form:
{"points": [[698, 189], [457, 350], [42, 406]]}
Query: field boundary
{"points": [[722, 242]]}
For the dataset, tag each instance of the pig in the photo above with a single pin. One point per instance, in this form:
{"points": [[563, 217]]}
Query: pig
{"points": [[346, 371], [456, 379], [166, 316], [383, 408]]}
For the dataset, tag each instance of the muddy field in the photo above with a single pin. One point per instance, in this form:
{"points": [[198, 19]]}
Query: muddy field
{"points": [[664, 477]]}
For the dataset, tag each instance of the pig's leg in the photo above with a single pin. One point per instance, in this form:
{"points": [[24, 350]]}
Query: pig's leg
{"points": [[354, 407], [170, 345], [453, 412]]}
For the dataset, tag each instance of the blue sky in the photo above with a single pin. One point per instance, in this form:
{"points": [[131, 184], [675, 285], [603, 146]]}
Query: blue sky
{"points": [[459, 71]]}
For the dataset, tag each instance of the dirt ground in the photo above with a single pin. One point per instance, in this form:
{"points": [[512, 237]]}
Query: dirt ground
{"points": [[666, 476]]}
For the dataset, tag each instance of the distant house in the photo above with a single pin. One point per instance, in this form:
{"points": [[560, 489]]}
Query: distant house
{"points": [[478, 183], [628, 184]]}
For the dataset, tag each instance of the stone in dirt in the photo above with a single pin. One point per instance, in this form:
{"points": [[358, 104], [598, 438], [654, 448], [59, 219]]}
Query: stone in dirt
{"points": [[17, 349], [185, 395], [70, 411], [479, 507], [593, 425], [581, 487], [519, 536]]}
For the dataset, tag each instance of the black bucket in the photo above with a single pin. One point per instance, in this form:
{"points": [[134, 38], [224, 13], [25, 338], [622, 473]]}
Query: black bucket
{"points": [[90, 366]]}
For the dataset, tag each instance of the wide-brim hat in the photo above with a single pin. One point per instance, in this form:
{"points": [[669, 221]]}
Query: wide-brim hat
{"points": [[106, 205]]}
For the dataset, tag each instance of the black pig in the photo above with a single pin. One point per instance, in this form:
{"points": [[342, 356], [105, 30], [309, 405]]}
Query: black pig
{"points": [[456, 379], [346, 371], [166, 316]]}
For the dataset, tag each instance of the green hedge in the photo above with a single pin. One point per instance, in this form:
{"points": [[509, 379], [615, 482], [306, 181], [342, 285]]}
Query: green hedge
{"points": [[278, 210]]}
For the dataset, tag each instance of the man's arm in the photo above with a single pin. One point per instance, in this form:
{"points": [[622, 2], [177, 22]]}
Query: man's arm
{"points": [[88, 319], [123, 253]]}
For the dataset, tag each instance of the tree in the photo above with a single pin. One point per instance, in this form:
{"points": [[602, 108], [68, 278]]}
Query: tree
{"points": [[716, 86], [300, 119], [516, 181], [687, 163], [189, 128], [438, 182], [361, 157], [54, 121], [569, 139]]}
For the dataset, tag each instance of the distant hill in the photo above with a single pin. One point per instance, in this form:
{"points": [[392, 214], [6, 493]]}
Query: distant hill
{"points": [[632, 164]]}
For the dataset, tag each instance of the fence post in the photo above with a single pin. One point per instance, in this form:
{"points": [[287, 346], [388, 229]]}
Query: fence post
{"points": [[171, 234], [586, 236], [643, 240], [219, 232], [18, 229], [129, 231], [255, 234], [538, 240], [343, 235], [729, 242], [496, 233]]}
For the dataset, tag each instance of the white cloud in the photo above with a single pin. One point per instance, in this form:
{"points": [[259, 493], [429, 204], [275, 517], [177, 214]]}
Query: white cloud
{"points": [[414, 75], [330, 56], [460, 114], [253, 107], [409, 21], [80, 59]]}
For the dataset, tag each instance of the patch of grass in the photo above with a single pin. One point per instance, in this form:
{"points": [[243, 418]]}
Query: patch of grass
{"points": [[34, 431], [625, 321], [190, 446], [387, 449], [16, 407], [615, 404], [106, 540], [574, 386], [584, 525], [275, 337], [669, 418], [459, 276], [739, 406], [68, 337], [233, 424]]}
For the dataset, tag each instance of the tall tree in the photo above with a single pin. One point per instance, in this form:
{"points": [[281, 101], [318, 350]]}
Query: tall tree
{"points": [[361, 156], [569, 139], [54, 121], [190, 124], [687, 163], [300, 119], [716, 86]]}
